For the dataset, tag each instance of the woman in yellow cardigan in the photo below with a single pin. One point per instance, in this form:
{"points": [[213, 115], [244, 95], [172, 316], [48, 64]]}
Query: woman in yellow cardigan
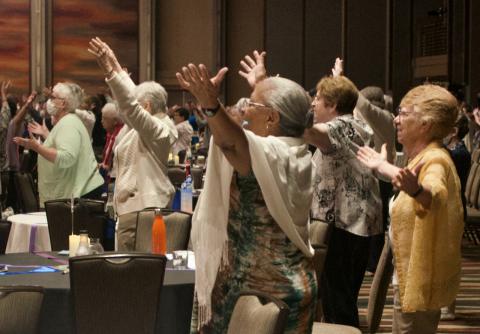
{"points": [[427, 215]]}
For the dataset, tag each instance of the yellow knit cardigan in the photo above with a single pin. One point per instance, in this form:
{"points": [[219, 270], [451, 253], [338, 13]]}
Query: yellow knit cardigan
{"points": [[426, 242]]}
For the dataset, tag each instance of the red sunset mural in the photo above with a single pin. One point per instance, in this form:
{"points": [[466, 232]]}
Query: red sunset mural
{"points": [[73, 26], [15, 44]]}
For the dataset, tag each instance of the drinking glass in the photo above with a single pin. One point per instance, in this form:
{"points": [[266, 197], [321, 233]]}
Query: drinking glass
{"points": [[95, 246]]}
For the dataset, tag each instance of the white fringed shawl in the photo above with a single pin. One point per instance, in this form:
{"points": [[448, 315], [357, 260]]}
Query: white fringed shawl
{"points": [[284, 171]]}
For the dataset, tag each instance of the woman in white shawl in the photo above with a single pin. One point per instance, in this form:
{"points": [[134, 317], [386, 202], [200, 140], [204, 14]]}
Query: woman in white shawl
{"points": [[250, 227]]}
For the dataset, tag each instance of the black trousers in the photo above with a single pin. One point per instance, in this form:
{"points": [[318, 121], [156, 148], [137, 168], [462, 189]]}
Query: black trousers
{"points": [[345, 265]]}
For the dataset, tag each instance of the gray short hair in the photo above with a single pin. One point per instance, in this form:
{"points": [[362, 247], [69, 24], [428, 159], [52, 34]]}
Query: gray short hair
{"points": [[71, 93], [111, 109], [153, 92], [292, 103], [375, 95]]}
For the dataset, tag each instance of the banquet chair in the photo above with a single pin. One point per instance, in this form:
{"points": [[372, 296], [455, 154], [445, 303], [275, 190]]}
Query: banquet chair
{"points": [[177, 224], [197, 175], [116, 293], [5, 226], [5, 178], [20, 309], [176, 176], [181, 156], [319, 234], [472, 195], [26, 194], [379, 288], [88, 215], [324, 328], [257, 312]]}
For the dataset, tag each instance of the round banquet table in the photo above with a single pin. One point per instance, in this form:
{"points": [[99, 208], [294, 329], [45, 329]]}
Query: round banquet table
{"points": [[29, 233]]}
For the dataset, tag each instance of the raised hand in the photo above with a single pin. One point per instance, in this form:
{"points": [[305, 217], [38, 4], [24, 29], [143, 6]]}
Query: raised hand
{"points": [[38, 129], [370, 158], [337, 69], [4, 89], [198, 82], [47, 91], [254, 70], [407, 180], [30, 98], [106, 58], [28, 143]]}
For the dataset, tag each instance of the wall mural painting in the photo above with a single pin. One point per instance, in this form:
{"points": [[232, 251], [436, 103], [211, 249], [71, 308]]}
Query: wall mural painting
{"points": [[15, 44], [73, 26]]}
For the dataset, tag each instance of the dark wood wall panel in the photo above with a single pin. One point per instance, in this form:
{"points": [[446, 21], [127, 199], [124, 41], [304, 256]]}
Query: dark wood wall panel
{"points": [[284, 38], [458, 42], [366, 42], [474, 59], [244, 23], [323, 38], [401, 49]]}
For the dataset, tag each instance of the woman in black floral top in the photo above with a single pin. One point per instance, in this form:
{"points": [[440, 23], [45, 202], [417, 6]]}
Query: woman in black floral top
{"points": [[346, 196]]}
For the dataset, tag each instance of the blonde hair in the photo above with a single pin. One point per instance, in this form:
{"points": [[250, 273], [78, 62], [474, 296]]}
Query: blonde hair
{"points": [[339, 91], [437, 107]]}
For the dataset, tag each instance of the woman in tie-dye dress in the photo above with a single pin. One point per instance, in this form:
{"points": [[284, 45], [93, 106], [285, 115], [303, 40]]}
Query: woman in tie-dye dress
{"points": [[252, 216]]}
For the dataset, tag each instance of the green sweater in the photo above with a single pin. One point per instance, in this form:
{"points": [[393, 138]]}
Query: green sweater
{"points": [[75, 168]]}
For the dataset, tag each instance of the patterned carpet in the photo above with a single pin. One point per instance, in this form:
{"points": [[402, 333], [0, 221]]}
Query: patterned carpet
{"points": [[468, 299]]}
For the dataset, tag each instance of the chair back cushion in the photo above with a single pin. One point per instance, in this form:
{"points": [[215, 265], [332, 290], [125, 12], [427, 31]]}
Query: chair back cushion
{"points": [[88, 214], [5, 226], [20, 309], [177, 224], [197, 175], [379, 288], [326, 328], [116, 293], [176, 176], [26, 193], [258, 313], [472, 186]]}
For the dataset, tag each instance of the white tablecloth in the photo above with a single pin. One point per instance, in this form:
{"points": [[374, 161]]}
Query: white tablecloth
{"points": [[29, 233]]}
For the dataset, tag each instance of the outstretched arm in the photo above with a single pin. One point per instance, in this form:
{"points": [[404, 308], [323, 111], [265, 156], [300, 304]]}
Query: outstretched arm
{"points": [[155, 135], [31, 143], [20, 115], [228, 135], [317, 136]]}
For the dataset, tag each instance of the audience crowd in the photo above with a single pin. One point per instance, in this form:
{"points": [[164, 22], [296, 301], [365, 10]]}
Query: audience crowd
{"points": [[263, 187]]}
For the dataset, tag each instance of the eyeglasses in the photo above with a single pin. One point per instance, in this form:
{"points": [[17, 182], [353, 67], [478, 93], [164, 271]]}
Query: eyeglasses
{"points": [[53, 97], [402, 113], [251, 104]]}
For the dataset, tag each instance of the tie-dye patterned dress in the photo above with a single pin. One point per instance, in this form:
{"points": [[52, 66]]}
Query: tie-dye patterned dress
{"points": [[261, 258]]}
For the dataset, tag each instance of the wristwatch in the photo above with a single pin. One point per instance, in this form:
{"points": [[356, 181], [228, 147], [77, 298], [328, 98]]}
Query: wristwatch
{"points": [[210, 112]]}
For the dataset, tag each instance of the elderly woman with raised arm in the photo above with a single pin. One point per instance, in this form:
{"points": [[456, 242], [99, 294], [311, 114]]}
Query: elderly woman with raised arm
{"points": [[250, 227], [427, 215], [346, 196], [142, 153], [66, 162]]}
